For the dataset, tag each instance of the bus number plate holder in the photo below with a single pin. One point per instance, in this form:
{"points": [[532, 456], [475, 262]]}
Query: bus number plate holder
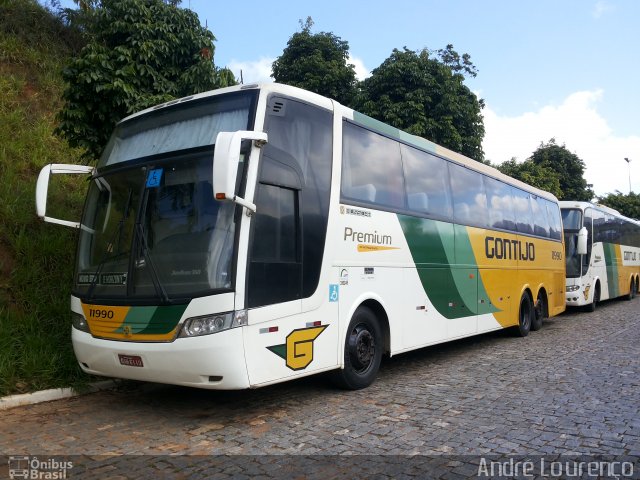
{"points": [[130, 360]]}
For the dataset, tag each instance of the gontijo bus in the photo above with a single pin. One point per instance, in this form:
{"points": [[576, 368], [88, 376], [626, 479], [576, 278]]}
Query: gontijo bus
{"points": [[602, 254], [259, 233]]}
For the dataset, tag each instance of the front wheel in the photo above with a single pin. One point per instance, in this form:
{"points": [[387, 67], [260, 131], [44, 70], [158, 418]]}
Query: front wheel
{"points": [[362, 351], [525, 316], [596, 298]]}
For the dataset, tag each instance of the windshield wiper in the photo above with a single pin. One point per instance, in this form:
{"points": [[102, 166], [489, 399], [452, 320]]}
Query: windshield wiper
{"points": [[157, 284], [117, 234]]}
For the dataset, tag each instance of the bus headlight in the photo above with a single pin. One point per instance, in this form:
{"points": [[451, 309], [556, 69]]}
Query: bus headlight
{"points": [[208, 324], [79, 322], [573, 288]]}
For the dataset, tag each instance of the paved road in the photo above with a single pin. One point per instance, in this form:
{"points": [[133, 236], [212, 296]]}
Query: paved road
{"points": [[571, 388]]}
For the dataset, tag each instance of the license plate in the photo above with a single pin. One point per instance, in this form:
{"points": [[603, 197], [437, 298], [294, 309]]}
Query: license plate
{"points": [[130, 360]]}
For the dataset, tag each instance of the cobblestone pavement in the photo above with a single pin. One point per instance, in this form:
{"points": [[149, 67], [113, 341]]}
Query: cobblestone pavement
{"points": [[571, 388]]}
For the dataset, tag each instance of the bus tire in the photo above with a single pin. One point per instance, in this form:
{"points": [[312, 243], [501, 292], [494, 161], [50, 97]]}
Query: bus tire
{"points": [[525, 316], [362, 351], [596, 298], [632, 290], [539, 312]]}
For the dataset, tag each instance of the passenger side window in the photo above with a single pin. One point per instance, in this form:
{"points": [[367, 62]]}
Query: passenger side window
{"points": [[599, 231], [540, 218], [522, 208], [500, 204], [555, 220], [469, 198], [427, 179], [372, 170]]}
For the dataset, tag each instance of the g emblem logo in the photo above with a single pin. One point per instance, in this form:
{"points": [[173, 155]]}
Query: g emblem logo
{"points": [[126, 330], [298, 351]]}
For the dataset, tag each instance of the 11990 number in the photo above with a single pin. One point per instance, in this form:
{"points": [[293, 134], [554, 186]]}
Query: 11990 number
{"points": [[100, 313]]}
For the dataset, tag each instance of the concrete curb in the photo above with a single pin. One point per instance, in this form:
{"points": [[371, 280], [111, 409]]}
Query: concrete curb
{"points": [[13, 401]]}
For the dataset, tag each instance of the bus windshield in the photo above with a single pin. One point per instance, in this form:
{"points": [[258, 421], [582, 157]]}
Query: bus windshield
{"points": [[155, 232], [572, 222], [151, 228]]}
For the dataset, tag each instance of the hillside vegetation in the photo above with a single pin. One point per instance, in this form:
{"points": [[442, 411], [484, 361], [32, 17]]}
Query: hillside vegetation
{"points": [[35, 258]]}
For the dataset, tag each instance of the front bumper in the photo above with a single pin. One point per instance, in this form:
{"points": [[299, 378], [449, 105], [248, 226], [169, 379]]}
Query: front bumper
{"points": [[214, 361]]}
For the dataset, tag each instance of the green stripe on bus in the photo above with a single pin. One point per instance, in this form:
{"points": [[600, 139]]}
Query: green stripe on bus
{"points": [[152, 320], [612, 269], [452, 284]]}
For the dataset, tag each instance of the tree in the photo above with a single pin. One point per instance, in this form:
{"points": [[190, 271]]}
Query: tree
{"points": [[426, 96], [628, 205], [568, 166], [529, 172], [139, 53], [317, 62]]}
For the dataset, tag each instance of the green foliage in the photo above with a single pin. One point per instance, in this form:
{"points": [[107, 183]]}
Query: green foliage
{"points": [[140, 53], [427, 97], [568, 166], [628, 205], [317, 62], [35, 259], [529, 172]]}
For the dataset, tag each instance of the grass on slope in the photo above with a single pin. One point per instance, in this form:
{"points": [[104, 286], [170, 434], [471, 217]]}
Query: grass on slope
{"points": [[35, 258]]}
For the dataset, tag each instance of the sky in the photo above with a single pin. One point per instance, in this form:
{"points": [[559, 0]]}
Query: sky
{"points": [[563, 69]]}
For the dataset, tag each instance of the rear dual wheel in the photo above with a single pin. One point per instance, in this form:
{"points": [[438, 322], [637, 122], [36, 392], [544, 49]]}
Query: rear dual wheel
{"points": [[539, 313], [632, 291], [525, 315]]}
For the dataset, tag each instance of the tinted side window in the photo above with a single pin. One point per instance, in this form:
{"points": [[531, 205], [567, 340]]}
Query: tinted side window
{"points": [[305, 134], [275, 270], [588, 224], [500, 204], [427, 177], [469, 198], [555, 220], [540, 218], [522, 208], [276, 225], [371, 169], [599, 230]]}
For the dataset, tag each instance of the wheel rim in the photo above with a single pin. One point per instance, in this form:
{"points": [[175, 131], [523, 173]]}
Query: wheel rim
{"points": [[362, 348]]}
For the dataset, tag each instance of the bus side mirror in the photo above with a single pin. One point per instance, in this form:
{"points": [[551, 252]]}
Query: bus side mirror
{"points": [[42, 189], [225, 164], [582, 241]]}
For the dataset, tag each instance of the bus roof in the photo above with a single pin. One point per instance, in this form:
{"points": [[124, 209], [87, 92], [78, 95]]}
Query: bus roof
{"points": [[602, 208], [364, 120]]}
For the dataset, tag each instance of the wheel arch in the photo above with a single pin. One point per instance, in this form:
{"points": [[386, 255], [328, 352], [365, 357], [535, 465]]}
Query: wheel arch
{"points": [[543, 290], [377, 305], [526, 288], [383, 320]]}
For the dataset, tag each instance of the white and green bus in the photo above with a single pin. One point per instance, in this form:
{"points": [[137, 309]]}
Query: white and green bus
{"points": [[260, 233], [602, 254]]}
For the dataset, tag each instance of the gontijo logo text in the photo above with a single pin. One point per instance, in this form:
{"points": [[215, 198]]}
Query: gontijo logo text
{"points": [[506, 249]]}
